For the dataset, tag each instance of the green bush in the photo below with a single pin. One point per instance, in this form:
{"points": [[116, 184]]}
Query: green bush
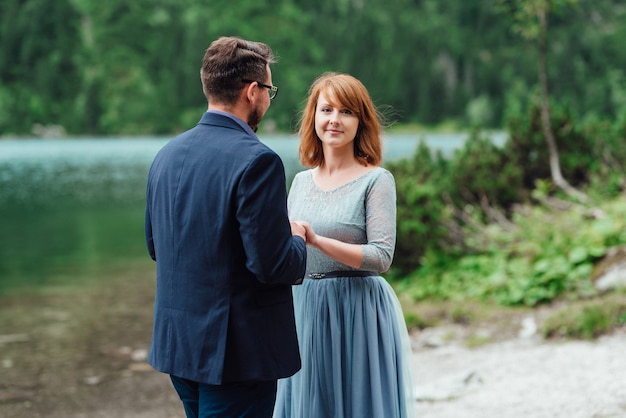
{"points": [[587, 320], [606, 177], [482, 173], [421, 210], [433, 192], [527, 149], [488, 224]]}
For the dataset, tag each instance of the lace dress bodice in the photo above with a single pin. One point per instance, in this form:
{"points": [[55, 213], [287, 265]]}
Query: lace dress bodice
{"points": [[362, 211]]}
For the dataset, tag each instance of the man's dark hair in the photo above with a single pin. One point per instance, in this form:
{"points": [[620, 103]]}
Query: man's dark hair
{"points": [[230, 60]]}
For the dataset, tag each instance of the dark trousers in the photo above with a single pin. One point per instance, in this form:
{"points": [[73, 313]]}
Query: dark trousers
{"points": [[234, 400]]}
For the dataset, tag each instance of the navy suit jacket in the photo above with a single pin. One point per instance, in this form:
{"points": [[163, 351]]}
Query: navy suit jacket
{"points": [[217, 226]]}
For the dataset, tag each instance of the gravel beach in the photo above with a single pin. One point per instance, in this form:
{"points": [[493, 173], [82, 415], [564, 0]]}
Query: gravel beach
{"points": [[522, 378]]}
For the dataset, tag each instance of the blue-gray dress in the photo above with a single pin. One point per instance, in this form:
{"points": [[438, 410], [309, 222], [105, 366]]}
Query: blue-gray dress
{"points": [[354, 344]]}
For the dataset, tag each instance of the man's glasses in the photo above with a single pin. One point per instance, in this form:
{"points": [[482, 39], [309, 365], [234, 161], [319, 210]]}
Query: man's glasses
{"points": [[272, 90]]}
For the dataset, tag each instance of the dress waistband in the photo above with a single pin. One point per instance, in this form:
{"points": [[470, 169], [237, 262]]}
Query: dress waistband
{"points": [[342, 273]]}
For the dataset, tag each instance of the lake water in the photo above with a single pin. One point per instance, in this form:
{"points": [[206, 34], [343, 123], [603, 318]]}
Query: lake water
{"points": [[71, 208]]}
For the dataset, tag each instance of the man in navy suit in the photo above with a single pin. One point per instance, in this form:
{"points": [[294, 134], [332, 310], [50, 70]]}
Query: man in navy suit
{"points": [[226, 253]]}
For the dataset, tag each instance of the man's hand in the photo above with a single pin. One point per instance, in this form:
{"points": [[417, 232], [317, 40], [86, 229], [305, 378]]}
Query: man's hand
{"points": [[298, 229], [310, 235]]}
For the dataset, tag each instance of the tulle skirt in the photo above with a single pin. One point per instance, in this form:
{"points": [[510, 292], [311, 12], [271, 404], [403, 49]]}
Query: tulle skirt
{"points": [[355, 349]]}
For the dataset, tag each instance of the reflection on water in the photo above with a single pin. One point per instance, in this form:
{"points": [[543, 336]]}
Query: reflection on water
{"points": [[69, 208], [57, 173]]}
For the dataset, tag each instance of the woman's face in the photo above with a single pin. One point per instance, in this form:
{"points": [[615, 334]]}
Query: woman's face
{"points": [[335, 125]]}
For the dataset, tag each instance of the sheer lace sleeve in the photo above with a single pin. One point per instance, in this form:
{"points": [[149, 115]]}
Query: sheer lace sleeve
{"points": [[380, 219]]}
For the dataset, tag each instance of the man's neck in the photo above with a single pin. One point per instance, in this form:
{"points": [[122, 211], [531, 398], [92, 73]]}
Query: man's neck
{"points": [[235, 110]]}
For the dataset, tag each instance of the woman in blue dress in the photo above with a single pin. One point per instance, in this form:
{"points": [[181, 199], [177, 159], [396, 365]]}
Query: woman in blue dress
{"points": [[354, 344]]}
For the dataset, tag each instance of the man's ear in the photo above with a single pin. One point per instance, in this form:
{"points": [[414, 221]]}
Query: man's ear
{"points": [[251, 92]]}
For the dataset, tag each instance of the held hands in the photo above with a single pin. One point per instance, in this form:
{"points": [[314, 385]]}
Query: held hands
{"points": [[298, 229], [310, 235], [344, 252]]}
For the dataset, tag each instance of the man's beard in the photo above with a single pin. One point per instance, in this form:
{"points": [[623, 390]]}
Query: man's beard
{"points": [[254, 118]]}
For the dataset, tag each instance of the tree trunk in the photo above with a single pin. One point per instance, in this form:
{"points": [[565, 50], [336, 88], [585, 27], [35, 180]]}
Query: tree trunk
{"points": [[555, 167]]}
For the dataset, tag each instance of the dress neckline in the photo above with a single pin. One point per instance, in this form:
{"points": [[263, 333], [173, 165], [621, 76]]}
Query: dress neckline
{"points": [[341, 186]]}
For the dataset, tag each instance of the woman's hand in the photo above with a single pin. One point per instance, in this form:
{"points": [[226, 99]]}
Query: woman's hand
{"points": [[348, 254], [298, 229], [311, 236]]}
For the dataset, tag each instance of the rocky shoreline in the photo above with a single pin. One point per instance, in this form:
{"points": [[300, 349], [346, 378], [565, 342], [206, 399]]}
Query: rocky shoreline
{"points": [[523, 377], [80, 353]]}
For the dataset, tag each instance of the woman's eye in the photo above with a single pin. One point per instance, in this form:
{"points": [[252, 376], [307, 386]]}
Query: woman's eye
{"points": [[346, 111]]}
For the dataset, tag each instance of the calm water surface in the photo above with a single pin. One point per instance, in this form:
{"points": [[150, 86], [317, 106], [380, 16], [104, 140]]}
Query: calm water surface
{"points": [[71, 208]]}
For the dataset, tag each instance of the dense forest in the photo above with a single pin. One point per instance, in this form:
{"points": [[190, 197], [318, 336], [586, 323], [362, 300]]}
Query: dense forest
{"points": [[132, 67]]}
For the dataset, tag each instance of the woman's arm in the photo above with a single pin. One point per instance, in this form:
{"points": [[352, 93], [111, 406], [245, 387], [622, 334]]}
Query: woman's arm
{"points": [[380, 224], [348, 254]]}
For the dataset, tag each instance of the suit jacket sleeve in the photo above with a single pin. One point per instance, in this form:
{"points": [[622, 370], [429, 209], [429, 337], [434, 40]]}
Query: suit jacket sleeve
{"points": [[273, 254], [148, 228]]}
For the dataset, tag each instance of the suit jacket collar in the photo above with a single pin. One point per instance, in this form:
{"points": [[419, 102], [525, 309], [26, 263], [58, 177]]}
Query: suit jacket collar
{"points": [[216, 117]]}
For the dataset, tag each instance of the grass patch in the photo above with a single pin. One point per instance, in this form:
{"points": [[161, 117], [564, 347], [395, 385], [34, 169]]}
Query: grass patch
{"points": [[476, 317], [587, 319], [487, 322], [477, 340]]}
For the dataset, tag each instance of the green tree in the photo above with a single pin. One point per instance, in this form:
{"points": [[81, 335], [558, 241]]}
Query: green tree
{"points": [[530, 19], [117, 67], [39, 75]]}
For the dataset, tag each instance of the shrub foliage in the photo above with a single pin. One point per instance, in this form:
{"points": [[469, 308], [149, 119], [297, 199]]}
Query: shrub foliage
{"points": [[487, 222]]}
